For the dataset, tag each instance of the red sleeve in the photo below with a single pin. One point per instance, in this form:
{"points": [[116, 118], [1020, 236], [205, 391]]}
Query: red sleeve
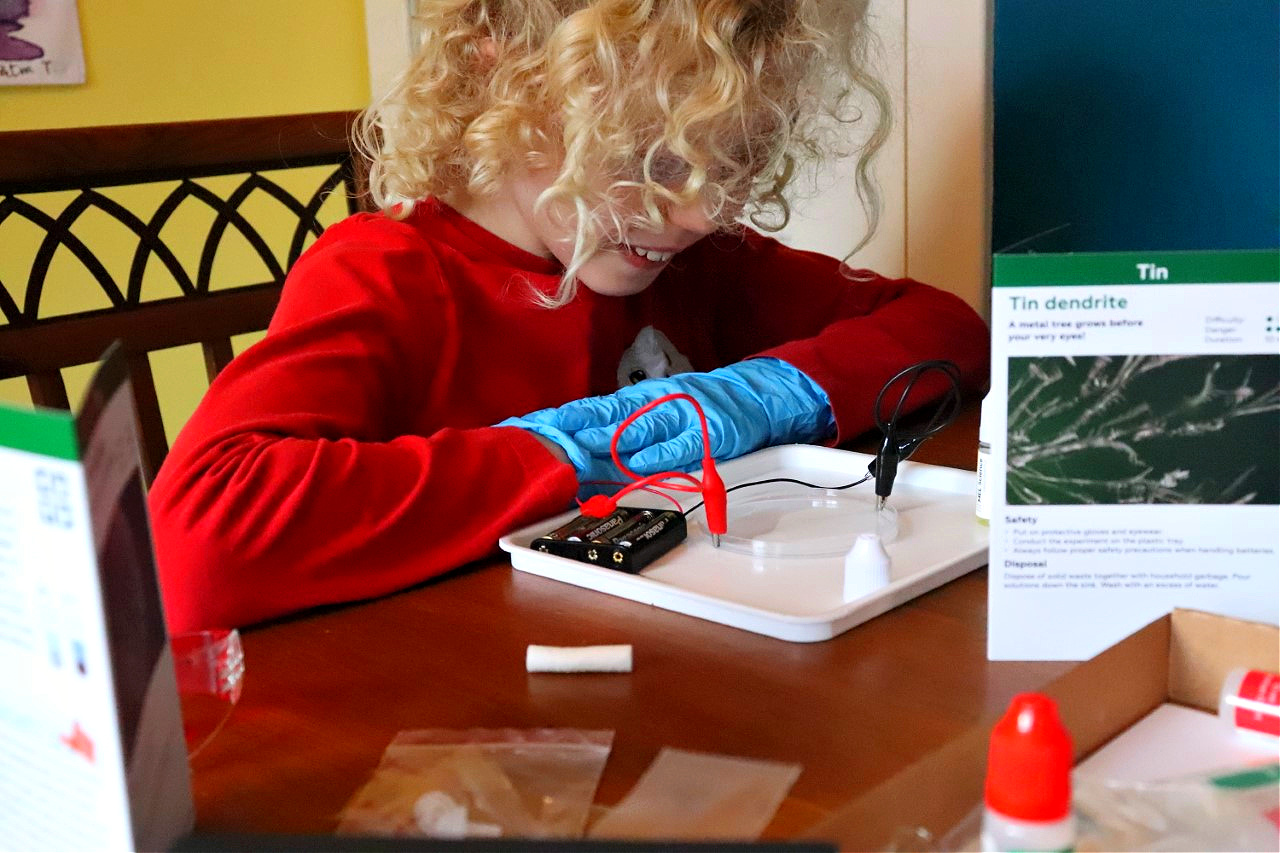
{"points": [[294, 483], [848, 330]]}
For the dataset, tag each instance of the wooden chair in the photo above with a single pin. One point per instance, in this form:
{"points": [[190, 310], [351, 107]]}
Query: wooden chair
{"points": [[83, 165]]}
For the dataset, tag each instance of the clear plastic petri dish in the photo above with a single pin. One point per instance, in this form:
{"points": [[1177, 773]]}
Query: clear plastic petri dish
{"points": [[809, 525]]}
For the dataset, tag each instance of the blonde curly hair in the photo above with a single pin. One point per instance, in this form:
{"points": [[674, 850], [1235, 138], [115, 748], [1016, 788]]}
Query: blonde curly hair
{"points": [[713, 102]]}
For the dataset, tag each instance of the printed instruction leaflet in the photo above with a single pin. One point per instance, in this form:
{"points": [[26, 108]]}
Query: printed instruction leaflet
{"points": [[92, 755], [1136, 462]]}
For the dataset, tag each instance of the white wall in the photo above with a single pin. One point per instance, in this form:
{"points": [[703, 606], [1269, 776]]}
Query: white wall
{"points": [[933, 170], [387, 33], [947, 146]]}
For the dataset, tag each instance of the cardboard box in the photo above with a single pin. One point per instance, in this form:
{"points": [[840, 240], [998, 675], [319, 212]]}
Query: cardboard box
{"points": [[1181, 658]]}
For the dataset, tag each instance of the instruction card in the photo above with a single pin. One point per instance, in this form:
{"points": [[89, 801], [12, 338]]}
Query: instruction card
{"points": [[92, 754], [1136, 461]]}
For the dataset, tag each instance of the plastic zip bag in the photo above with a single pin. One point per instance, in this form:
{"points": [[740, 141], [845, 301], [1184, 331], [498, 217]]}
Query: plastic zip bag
{"points": [[1230, 810], [443, 783], [694, 795]]}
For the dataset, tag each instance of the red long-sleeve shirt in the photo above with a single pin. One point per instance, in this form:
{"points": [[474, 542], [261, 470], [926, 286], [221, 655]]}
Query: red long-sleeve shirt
{"points": [[351, 452]]}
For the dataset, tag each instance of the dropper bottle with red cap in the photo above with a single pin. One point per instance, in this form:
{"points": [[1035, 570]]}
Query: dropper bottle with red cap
{"points": [[1028, 789]]}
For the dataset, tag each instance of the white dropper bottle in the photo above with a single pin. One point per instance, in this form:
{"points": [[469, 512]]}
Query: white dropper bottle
{"points": [[866, 567]]}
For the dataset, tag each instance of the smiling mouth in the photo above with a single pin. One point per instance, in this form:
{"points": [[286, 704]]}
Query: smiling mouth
{"points": [[655, 256]]}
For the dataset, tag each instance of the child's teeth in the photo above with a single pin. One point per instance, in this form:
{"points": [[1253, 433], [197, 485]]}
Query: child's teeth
{"points": [[653, 255]]}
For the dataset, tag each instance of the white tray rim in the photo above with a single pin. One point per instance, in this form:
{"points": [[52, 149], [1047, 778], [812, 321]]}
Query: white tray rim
{"points": [[813, 627]]}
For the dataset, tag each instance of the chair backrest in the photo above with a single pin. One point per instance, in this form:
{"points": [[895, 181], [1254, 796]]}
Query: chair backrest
{"points": [[54, 179]]}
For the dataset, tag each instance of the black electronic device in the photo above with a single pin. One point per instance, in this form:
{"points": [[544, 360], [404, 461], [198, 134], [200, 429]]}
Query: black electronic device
{"points": [[627, 539]]}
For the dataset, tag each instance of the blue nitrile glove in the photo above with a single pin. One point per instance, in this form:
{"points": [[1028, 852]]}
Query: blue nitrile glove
{"points": [[751, 404], [588, 467]]}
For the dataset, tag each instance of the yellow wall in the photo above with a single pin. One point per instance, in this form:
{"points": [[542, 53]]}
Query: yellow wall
{"points": [[178, 60]]}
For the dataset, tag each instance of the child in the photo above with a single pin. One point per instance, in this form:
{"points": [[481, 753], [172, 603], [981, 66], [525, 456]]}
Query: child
{"points": [[560, 179]]}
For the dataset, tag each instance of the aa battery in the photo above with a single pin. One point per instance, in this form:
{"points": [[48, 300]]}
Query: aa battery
{"points": [[636, 520], [613, 521], [639, 544], [573, 529], [570, 539], [627, 540]]}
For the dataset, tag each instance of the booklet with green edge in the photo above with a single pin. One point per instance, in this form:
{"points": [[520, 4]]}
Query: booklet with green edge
{"points": [[92, 754]]}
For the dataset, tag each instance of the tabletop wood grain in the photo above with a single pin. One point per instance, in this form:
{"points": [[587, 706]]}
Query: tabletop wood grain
{"points": [[326, 692]]}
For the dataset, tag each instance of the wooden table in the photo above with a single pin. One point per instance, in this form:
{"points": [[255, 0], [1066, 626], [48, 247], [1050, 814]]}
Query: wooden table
{"points": [[324, 694]]}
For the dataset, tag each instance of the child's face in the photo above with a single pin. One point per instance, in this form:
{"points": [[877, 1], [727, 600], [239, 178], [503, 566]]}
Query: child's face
{"points": [[625, 263]]}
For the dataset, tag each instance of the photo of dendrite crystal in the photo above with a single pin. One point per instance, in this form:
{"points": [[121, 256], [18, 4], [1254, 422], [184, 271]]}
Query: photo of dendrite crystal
{"points": [[1144, 429]]}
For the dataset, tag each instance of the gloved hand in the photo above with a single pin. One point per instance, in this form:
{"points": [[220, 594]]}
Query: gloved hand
{"points": [[748, 405], [588, 467]]}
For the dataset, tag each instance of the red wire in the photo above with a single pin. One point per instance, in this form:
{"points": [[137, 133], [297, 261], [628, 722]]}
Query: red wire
{"points": [[652, 491], [655, 479], [711, 486]]}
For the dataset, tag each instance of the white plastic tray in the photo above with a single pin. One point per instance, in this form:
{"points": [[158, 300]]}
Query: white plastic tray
{"points": [[793, 597]]}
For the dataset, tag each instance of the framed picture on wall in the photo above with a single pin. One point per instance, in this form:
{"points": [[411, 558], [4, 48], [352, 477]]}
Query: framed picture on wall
{"points": [[40, 43]]}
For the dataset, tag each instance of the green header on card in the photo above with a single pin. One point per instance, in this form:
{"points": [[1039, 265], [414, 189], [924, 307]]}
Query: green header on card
{"points": [[1093, 268], [45, 432]]}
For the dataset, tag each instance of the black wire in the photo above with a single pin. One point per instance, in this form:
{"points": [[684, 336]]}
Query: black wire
{"points": [[942, 417], [901, 443], [785, 480]]}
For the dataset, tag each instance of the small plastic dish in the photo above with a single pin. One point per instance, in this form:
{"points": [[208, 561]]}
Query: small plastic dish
{"points": [[810, 525]]}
